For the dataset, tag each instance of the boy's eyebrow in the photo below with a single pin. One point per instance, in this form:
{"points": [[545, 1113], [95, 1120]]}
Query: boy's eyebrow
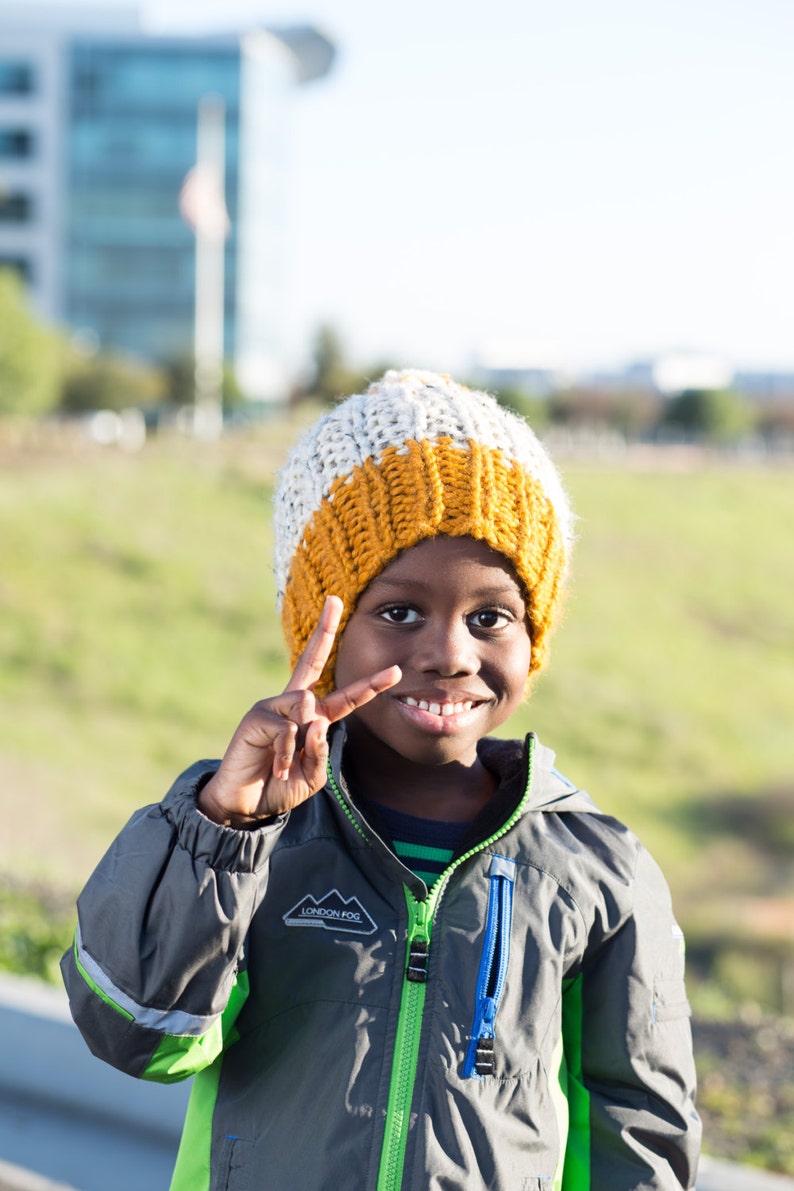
{"points": [[489, 590]]}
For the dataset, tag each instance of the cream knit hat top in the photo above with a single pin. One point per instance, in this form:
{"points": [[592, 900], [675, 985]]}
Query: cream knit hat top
{"points": [[414, 457]]}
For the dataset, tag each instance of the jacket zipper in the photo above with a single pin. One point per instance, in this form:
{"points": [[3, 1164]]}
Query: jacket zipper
{"points": [[406, 1044], [412, 999], [479, 1060]]}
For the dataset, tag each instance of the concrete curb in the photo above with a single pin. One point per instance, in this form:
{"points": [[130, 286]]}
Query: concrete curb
{"points": [[15, 1178], [70, 1118], [715, 1175]]}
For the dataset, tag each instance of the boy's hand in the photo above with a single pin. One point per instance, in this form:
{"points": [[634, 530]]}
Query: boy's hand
{"points": [[277, 757]]}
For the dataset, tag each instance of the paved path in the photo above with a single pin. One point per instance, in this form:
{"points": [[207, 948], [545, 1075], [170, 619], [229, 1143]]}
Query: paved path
{"points": [[71, 1123], [69, 1117]]}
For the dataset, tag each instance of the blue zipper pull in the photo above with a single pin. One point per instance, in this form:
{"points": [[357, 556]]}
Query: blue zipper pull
{"points": [[479, 1061], [480, 1055]]}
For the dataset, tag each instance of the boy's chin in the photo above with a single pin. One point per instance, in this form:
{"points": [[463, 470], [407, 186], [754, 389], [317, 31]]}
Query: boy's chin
{"points": [[414, 748]]}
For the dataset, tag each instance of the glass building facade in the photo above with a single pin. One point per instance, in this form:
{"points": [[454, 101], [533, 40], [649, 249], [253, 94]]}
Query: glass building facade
{"points": [[97, 134], [129, 255]]}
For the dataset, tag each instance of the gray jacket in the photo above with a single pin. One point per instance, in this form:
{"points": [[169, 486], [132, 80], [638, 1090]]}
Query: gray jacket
{"points": [[523, 1026]]}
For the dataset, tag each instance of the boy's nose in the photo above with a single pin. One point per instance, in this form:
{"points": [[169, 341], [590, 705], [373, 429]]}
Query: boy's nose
{"points": [[446, 648]]}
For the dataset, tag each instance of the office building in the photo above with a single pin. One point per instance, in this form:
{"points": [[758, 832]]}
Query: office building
{"points": [[98, 131]]}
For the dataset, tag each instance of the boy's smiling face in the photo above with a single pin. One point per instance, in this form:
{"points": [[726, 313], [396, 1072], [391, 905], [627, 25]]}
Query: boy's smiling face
{"points": [[451, 614]]}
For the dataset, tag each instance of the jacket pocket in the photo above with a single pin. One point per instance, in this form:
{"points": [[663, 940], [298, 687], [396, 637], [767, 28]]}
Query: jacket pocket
{"points": [[232, 1168], [479, 1061], [669, 1001]]}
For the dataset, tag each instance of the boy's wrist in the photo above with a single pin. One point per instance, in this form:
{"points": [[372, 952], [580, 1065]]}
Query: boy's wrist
{"points": [[213, 810]]}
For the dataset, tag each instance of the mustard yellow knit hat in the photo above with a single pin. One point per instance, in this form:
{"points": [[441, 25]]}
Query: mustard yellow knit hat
{"points": [[414, 457]]}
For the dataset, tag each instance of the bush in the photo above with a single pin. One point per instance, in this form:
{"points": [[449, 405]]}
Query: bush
{"points": [[717, 414], [630, 411], [30, 354], [110, 382], [36, 926]]}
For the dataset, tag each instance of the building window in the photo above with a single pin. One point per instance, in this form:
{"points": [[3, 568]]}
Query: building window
{"points": [[16, 77], [15, 143], [15, 207]]}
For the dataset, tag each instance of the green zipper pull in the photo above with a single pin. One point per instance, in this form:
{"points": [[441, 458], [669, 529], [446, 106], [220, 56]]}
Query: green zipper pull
{"points": [[418, 946]]}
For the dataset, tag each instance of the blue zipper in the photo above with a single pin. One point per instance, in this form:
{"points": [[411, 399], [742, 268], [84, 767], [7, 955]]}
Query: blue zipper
{"points": [[479, 1061]]}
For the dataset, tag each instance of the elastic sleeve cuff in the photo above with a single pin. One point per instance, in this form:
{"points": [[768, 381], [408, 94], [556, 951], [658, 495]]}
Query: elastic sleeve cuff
{"points": [[222, 848]]}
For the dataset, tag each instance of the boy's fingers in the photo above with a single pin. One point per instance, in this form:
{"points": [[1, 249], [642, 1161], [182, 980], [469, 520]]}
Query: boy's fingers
{"points": [[309, 665], [284, 750], [297, 706], [315, 751], [342, 702]]}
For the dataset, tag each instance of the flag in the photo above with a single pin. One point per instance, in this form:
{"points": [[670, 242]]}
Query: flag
{"points": [[202, 204]]}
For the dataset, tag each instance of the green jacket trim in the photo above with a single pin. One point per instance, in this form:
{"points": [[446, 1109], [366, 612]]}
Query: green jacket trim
{"points": [[178, 1057], [576, 1173], [194, 1158]]}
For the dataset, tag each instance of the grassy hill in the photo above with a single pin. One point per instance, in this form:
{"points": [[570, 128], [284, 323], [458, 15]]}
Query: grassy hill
{"points": [[137, 624]]}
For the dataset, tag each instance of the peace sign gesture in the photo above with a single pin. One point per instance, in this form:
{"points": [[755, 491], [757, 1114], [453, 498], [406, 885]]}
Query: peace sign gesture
{"points": [[277, 757]]}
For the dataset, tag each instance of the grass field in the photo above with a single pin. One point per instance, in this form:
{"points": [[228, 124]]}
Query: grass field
{"points": [[138, 623]]}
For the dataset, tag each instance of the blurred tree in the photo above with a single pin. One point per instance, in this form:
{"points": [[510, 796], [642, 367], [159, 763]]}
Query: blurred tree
{"points": [[630, 411], [30, 353], [636, 412], [233, 396], [535, 409], [377, 369], [717, 414], [180, 384], [776, 417], [332, 376], [106, 381], [578, 406]]}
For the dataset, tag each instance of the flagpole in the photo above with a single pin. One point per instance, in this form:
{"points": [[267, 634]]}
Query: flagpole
{"points": [[209, 298]]}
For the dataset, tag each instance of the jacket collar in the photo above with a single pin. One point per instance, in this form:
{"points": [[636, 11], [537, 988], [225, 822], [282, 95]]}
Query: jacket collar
{"points": [[545, 789]]}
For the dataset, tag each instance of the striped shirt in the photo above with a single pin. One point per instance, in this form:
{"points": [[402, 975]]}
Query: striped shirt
{"points": [[425, 846]]}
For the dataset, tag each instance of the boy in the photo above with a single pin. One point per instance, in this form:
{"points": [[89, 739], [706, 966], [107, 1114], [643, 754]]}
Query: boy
{"points": [[490, 990]]}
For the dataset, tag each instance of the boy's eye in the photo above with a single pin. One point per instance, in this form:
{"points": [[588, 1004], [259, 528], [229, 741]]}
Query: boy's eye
{"points": [[400, 614], [490, 618]]}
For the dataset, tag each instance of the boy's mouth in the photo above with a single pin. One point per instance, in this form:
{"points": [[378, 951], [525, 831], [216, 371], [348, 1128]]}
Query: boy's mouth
{"points": [[459, 707]]}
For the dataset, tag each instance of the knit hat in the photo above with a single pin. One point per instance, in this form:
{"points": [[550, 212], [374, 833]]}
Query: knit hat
{"points": [[414, 457]]}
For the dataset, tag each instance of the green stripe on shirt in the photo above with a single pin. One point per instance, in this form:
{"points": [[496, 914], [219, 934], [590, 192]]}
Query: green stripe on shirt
{"points": [[425, 862]]}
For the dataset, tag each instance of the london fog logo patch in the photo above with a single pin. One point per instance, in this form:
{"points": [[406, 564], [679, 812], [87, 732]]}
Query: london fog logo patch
{"points": [[331, 912]]}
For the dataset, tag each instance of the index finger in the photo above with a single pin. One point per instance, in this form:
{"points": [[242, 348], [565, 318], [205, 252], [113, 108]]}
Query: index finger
{"points": [[317, 651], [349, 698]]}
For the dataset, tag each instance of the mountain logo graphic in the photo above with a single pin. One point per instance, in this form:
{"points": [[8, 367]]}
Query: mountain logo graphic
{"points": [[331, 912]]}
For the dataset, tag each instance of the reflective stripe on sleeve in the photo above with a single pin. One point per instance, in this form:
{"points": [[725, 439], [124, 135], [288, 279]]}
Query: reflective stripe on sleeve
{"points": [[166, 1021]]}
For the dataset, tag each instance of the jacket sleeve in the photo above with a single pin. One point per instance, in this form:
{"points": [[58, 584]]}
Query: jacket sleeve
{"points": [[631, 1068], [156, 975]]}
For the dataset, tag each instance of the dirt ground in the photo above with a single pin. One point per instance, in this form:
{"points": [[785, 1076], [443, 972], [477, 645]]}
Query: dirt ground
{"points": [[746, 1088]]}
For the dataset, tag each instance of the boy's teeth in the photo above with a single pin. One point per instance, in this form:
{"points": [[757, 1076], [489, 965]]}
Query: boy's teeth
{"points": [[438, 708]]}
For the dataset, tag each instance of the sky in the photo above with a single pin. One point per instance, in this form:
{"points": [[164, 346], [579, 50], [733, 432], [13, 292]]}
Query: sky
{"points": [[573, 183]]}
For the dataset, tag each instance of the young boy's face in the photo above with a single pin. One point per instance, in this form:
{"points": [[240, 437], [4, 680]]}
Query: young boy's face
{"points": [[451, 614]]}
